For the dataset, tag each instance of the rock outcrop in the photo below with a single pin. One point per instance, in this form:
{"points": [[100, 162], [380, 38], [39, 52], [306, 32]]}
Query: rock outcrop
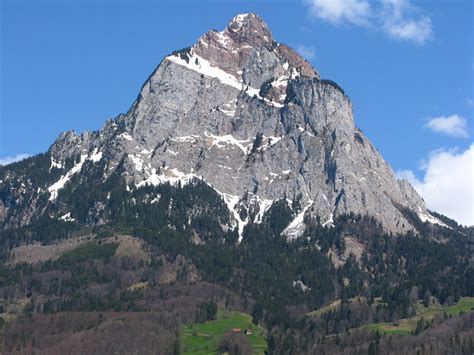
{"points": [[253, 119]]}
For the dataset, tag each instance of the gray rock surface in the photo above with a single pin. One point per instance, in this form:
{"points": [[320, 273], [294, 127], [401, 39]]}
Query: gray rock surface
{"points": [[252, 118]]}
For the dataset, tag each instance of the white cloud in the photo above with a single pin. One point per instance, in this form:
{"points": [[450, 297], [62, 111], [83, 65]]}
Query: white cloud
{"points": [[448, 183], [397, 18], [401, 21], [453, 125], [9, 160], [308, 52], [340, 11]]}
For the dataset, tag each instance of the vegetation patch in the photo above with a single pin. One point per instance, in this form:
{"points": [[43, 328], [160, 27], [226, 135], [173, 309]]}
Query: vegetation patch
{"points": [[336, 305], [332, 307], [402, 327], [423, 316], [205, 338], [11, 310], [89, 251], [464, 305]]}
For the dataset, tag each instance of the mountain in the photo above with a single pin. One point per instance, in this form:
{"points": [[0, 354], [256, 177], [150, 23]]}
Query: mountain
{"points": [[246, 115], [235, 208]]}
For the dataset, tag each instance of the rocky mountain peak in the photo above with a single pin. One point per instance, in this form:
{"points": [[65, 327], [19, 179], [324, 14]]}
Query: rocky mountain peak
{"points": [[246, 50], [249, 29], [253, 120]]}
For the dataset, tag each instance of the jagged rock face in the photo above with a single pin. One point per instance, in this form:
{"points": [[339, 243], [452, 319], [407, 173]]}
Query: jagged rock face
{"points": [[251, 118]]}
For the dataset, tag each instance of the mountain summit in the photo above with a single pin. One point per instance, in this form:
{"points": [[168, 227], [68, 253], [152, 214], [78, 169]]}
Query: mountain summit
{"points": [[234, 208], [244, 114]]}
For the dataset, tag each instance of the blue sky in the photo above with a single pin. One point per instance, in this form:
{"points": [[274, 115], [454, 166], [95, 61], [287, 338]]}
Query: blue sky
{"points": [[73, 64]]}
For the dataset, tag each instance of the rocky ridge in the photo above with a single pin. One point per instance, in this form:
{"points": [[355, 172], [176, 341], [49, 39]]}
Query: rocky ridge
{"points": [[251, 118]]}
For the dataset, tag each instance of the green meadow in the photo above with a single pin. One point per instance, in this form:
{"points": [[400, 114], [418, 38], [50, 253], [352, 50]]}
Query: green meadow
{"points": [[408, 325], [204, 338]]}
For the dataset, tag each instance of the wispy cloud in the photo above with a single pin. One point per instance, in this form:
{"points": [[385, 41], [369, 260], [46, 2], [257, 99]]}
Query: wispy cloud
{"points": [[447, 184], [397, 18], [308, 52], [454, 125], [403, 21], [12, 159], [340, 11]]}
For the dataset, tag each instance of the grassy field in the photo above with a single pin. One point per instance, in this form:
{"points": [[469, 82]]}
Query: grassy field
{"points": [[408, 325], [465, 304], [204, 338], [403, 328]]}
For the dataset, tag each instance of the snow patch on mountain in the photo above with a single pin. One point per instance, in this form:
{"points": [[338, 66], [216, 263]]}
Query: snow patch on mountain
{"points": [[296, 227], [126, 136], [66, 218], [231, 201], [202, 66], [229, 108], [264, 206], [193, 138], [96, 156], [169, 175], [426, 217], [223, 141], [299, 284], [58, 185], [137, 161], [330, 221], [174, 177], [55, 164], [240, 18]]}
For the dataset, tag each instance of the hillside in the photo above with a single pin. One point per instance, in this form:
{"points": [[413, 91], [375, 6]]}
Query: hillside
{"points": [[236, 192]]}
